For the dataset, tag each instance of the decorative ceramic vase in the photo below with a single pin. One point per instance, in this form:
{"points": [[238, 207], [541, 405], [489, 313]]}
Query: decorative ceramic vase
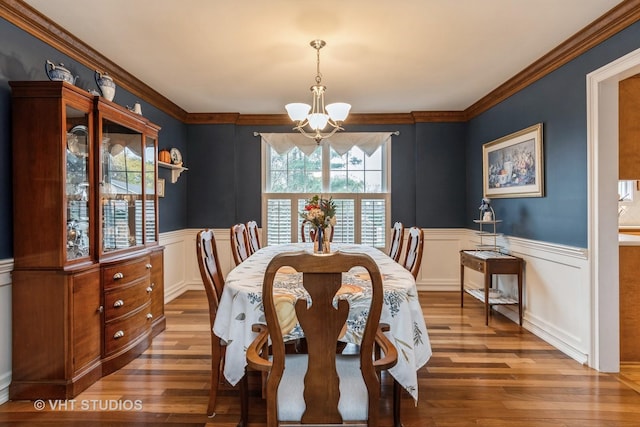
{"points": [[59, 73], [318, 241], [326, 244], [106, 85], [321, 243]]}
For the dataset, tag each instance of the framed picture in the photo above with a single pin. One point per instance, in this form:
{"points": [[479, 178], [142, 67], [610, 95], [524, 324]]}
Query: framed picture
{"points": [[512, 166], [161, 187]]}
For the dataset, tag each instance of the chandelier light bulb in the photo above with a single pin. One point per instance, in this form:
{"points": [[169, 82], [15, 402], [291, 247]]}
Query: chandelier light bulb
{"points": [[338, 111], [298, 111], [318, 121]]}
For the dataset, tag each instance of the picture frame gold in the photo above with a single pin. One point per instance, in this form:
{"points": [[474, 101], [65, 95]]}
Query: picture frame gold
{"points": [[513, 166], [160, 187]]}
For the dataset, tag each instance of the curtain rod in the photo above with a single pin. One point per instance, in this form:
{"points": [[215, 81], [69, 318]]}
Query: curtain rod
{"points": [[393, 133]]}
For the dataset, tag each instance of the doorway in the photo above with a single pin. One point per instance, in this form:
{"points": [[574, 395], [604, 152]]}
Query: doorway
{"points": [[602, 171]]}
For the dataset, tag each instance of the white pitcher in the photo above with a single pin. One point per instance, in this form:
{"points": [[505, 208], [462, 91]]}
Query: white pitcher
{"points": [[106, 85]]}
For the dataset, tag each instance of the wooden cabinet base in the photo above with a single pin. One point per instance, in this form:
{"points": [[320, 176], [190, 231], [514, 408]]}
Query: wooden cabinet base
{"points": [[116, 361], [55, 389], [71, 327], [159, 325]]}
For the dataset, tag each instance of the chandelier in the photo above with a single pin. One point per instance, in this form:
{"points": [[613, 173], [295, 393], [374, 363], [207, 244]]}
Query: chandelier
{"points": [[316, 116]]}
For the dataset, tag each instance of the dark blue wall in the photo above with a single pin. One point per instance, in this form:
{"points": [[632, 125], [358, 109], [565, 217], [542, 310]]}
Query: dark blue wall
{"points": [[558, 101], [22, 57], [440, 176], [211, 193]]}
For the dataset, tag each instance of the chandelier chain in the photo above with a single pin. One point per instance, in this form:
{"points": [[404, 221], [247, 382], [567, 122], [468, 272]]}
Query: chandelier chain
{"points": [[318, 74]]}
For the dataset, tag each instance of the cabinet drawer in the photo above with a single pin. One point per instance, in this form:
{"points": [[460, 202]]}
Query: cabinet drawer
{"points": [[472, 263], [126, 272], [121, 300], [119, 333]]}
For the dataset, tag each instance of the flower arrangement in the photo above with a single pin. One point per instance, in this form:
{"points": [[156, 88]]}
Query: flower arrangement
{"points": [[319, 212]]}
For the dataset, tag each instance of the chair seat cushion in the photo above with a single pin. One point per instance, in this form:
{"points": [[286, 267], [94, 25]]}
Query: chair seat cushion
{"points": [[353, 404]]}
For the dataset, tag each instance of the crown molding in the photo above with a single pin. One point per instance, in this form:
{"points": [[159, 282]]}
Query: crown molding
{"points": [[609, 24], [284, 120], [439, 116], [33, 22], [211, 118]]}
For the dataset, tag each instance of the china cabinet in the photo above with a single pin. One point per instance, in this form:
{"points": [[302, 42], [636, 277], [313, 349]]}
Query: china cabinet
{"points": [[87, 292]]}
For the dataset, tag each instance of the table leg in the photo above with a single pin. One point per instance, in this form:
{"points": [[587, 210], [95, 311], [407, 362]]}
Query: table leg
{"points": [[520, 294], [487, 284], [397, 389], [461, 285]]}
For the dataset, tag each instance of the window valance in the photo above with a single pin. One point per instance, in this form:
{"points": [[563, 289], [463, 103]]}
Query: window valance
{"points": [[368, 142]]}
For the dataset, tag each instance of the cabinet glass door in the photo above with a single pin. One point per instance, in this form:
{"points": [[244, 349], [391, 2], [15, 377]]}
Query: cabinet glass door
{"points": [[150, 227], [121, 187], [77, 183]]}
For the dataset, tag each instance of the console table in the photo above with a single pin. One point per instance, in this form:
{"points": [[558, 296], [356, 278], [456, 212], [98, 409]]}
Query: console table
{"points": [[490, 263]]}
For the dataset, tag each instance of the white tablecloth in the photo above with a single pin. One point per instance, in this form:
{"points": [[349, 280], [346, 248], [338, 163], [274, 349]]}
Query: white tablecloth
{"points": [[241, 307]]}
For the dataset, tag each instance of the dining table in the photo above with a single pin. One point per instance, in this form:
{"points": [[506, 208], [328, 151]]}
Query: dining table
{"points": [[241, 306]]}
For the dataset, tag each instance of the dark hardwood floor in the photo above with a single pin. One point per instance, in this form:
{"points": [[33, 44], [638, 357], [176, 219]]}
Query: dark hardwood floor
{"points": [[498, 375]]}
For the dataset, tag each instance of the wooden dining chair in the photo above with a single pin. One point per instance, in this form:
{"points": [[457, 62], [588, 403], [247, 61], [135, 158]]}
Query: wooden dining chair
{"points": [[308, 232], [321, 387], [397, 239], [207, 254], [415, 246], [253, 237], [306, 228], [239, 243]]}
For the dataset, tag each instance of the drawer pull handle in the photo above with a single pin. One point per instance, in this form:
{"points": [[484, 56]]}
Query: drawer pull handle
{"points": [[149, 266], [118, 276], [149, 289], [118, 303], [118, 334], [100, 309], [149, 316], [153, 285]]}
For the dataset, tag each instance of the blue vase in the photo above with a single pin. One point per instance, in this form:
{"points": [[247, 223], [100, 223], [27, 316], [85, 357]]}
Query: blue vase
{"points": [[320, 240]]}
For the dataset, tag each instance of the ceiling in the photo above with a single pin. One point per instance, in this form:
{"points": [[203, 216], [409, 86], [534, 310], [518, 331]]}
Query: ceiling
{"points": [[253, 57]]}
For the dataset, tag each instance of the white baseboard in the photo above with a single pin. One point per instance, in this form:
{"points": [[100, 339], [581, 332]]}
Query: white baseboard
{"points": [[5, 381], [6, 266]]}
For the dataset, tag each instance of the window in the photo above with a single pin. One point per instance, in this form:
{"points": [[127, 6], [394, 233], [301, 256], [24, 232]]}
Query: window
{"points": [[625, 191], [358, 182], [625, 196]]}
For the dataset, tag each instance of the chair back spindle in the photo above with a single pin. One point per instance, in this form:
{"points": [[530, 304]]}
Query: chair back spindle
{"points": [[239, 243], [253, 237], [397, 239], [415, 246]]}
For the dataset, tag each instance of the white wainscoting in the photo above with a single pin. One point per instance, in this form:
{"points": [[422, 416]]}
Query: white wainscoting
{"points": [[6, 266], [556, 302], [556, 284], [556, 287]]}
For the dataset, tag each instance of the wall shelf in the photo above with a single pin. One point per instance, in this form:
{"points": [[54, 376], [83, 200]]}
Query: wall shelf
{"points": [[175, 170]]}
